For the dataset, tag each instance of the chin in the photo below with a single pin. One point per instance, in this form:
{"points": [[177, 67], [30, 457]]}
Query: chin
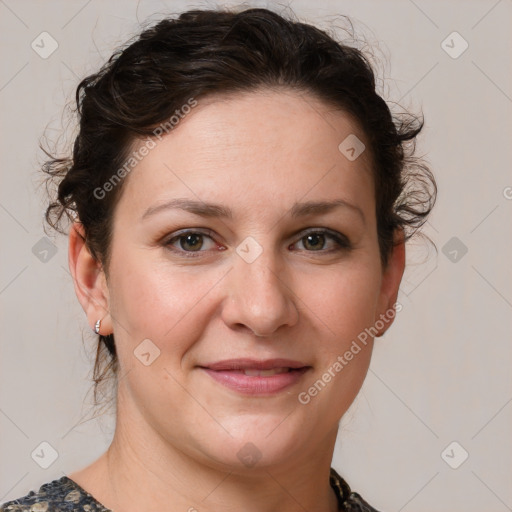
{"points": [[258, 442]]}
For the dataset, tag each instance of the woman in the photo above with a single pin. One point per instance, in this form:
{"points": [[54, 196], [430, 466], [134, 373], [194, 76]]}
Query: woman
{"points": [[240, 199]]}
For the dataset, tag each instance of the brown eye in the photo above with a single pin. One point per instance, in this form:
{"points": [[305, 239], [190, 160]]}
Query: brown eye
{"points": [[192, 242], [316, 241], [188, 242]]}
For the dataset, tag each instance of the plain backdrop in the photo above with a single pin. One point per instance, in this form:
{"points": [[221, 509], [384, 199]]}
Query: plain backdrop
{"points": [[439, 385]]}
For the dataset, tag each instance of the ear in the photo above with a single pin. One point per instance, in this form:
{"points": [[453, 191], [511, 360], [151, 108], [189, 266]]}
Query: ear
{"points": [[391, 279], [89, 280]]}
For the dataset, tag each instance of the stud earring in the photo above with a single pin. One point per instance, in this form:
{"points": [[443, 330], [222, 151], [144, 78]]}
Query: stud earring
{"points": [[97, 327]]}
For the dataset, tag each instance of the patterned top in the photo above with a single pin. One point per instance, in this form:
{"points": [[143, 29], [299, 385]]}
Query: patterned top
{"points": [[65, 495]]}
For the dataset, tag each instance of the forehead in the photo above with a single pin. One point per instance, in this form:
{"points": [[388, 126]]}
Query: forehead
{"points": [[270, 148]]}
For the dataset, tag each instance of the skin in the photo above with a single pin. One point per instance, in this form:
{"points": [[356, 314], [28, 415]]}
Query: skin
{"points": [[178, 431]]}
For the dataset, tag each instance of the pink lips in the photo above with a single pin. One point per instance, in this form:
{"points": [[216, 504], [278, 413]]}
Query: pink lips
{"points": [[256, 377]]}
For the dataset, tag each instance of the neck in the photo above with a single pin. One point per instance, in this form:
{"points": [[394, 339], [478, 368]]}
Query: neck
{"points": [[155, 476]]}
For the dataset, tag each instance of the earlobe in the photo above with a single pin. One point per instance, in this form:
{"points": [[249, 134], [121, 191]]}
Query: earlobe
{"points": [[390, 284], [89, 280]]}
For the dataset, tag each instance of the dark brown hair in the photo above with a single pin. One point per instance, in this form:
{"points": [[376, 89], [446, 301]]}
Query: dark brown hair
{"points": [[203, 52]]}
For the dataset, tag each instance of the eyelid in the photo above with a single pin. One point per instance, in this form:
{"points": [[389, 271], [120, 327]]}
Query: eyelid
{"points": [[322, 230]]}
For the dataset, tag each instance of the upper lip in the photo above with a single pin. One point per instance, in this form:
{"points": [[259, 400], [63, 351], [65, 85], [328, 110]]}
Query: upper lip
{"points": [[253, 364]]}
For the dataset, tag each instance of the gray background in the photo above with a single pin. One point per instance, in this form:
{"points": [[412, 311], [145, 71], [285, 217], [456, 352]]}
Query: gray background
{"points": [[440, 375]]}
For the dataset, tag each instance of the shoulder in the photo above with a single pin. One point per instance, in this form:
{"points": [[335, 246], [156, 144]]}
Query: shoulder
{"points": [[355, 503], [60, 495], [349, 501]]}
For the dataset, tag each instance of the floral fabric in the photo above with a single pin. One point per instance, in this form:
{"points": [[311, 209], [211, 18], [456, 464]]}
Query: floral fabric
{"points": [[65, 495]]}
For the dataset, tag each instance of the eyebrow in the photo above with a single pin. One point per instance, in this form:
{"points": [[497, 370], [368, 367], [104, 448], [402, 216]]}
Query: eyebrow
{"points": [[213, 210]]}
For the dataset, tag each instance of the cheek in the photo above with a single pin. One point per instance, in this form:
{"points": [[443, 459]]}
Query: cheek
{"points": [[344, 305], [158, 301], [166, 305], [344, 302]]}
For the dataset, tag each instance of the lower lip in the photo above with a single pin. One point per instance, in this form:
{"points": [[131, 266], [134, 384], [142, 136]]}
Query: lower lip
{"points": [[255, 385]]}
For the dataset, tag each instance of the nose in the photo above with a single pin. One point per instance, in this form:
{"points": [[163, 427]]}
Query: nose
{"points": [[259, 299]]}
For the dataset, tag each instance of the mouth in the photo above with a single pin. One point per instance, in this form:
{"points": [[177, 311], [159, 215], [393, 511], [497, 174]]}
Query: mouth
{"points": [[257, 377], [263, 373]]}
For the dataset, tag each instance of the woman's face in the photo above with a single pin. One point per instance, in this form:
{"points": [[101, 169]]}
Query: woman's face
{"points": [[262, 275]]}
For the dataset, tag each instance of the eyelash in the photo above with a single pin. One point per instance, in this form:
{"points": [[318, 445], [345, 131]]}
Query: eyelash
{"points": [[341, 240]]}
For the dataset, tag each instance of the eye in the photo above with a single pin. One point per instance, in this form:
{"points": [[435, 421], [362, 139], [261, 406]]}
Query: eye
{"points": [[189, 242], [315, 241]]}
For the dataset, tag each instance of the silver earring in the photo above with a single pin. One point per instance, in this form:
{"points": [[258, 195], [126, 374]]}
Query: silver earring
{"points": [[97, 327]]}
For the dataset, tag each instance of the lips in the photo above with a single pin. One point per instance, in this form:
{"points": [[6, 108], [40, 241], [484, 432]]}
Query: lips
{"points": [[254, 364], [263, 373], [256, 377]]}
